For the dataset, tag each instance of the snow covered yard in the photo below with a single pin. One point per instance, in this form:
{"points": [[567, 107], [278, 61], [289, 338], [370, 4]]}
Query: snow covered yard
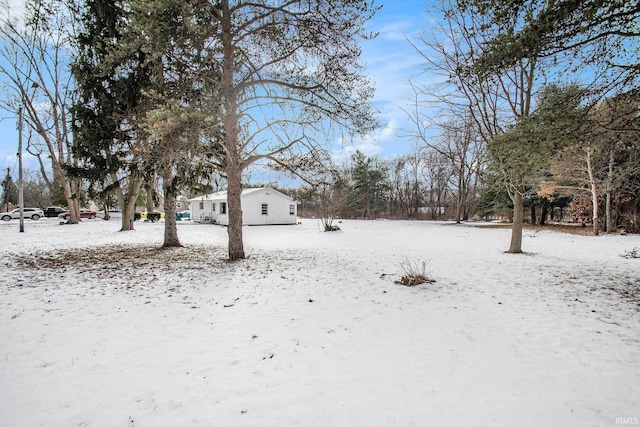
{"points": [[99, 328]]}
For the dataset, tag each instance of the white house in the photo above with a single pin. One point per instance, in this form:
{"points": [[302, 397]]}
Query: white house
{"points": [[260, 206]]}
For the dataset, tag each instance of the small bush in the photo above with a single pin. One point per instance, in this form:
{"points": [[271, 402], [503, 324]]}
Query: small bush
{"points": [[415, 273], [327, 224]]}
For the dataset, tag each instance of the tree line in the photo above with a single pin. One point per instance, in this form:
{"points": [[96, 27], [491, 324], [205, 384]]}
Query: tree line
{"points": [[534, 105], [175, 92], [539, 82]]}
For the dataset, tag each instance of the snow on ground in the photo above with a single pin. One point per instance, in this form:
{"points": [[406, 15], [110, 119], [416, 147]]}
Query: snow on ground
{"points": [[99, 328]]}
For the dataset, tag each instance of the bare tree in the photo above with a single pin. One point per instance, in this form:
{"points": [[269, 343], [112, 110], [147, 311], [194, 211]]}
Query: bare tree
{"points": [[285, 67], [493, 97], [35, 67], [459, 141], [407, 188], [436, 172], [617, 127]]}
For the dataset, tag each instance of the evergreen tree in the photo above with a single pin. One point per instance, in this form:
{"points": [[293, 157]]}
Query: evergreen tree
{"points": [[601, 33], [369, 187], [111, 72], [174, 33], [522, 153], [9, 191]]}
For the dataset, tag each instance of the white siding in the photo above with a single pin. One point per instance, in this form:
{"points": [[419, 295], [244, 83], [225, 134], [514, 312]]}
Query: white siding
{"points": [[203, 214], [279, 208]]}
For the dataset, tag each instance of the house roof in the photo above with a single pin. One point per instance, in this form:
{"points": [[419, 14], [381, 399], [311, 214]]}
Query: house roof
{"points": [[222, 195]]}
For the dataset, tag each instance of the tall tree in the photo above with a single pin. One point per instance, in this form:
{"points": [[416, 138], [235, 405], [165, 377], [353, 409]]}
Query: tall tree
{"points": [[494, 97], [524, 150], [459, 141], [174, 35], [600, 161], [617, 128], [287, 68], [369, 187], [112, 72], [601, 34], [9, 191], [406, 184], [437, 176], [34, 66]]}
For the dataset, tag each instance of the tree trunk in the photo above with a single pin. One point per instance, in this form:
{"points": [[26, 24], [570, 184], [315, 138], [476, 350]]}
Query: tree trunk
{"points": [[150, 203], [594, 194], [461, 195], [518, 213], [128, 213], [233, 166], [170, 223], [534, 218], [544, 213], [609, 221], [128, 200], [71, 198], [234, 202]]}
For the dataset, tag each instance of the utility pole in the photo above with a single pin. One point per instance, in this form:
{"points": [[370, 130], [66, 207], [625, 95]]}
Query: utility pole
{"points": [[20, 181]]}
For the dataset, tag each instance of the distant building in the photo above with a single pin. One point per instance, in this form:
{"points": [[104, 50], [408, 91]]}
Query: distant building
{"points": [[260, 206], [182, 203]]}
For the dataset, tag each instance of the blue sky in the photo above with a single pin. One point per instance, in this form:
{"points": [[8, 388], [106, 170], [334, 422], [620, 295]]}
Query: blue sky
{"points": [[390, 60]]}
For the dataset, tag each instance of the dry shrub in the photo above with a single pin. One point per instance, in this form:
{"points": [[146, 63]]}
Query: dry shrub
{"points": [[327, 224], [415, 273]]}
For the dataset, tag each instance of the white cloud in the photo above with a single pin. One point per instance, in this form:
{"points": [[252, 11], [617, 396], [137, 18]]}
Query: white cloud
{"points": [[370, 145], [391, 63], [344, 153], [388, 132]]}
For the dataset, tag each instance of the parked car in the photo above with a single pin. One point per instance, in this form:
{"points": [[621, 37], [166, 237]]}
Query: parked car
{"points": [[33, 213], [148, 216], [183, 215], [53, 211], [84, 213]]}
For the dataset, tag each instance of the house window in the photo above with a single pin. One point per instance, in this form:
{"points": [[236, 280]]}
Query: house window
{"points": [[201, 205], [213, 207], [265, 209], [223, 208], [178, 205], [292, 209]]}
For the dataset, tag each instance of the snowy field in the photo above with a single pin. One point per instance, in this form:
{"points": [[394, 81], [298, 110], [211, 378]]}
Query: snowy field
{"points": [[99, 328]]}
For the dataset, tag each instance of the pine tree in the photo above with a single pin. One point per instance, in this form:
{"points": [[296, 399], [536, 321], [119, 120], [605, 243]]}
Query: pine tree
{"points": [[9, 191], [111, 73], [368, 188]]}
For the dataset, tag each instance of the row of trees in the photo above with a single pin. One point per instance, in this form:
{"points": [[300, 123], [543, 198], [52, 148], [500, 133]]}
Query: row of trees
{"points": [[36, 192], [179, 92], [427, 183], [511, 67], [39, 193], [176, 91], [509, 124], [582, 158]]}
